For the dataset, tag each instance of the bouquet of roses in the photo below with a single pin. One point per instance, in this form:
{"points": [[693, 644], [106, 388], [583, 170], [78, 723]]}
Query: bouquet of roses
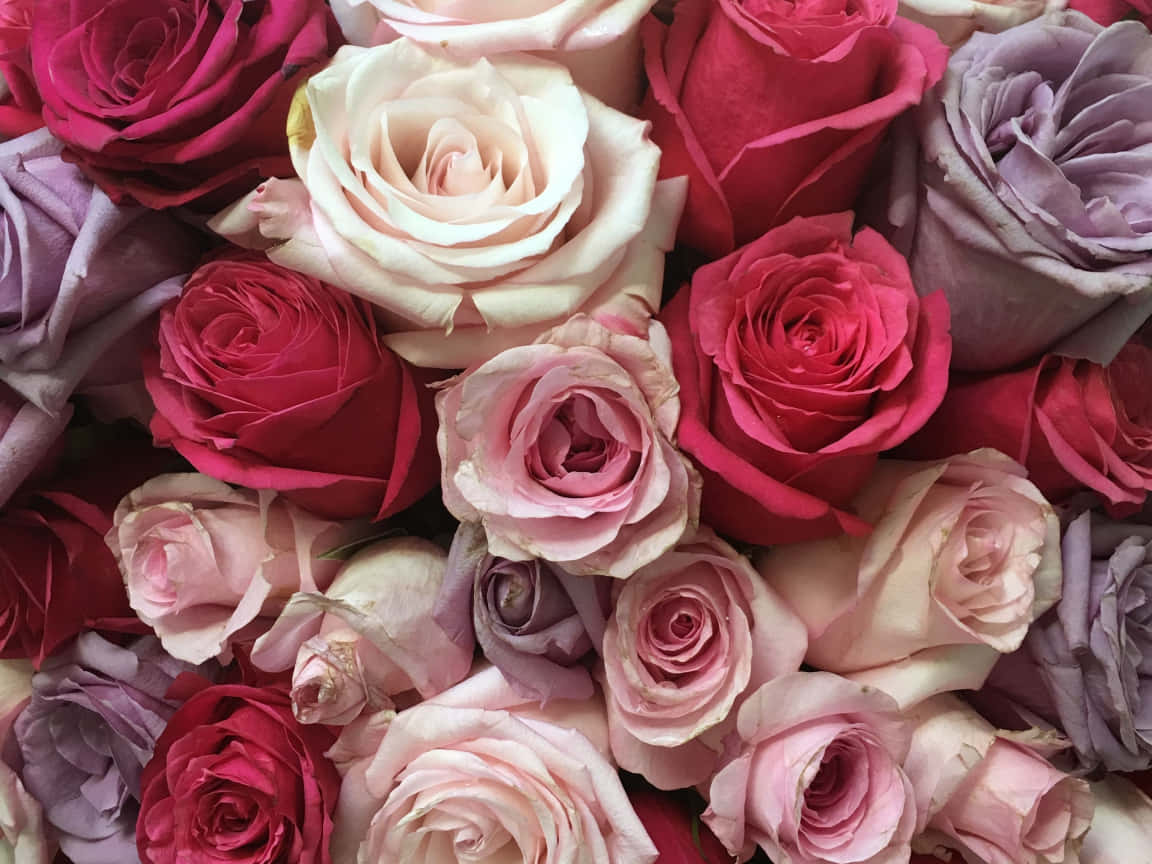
{"points": [[575, 432]]}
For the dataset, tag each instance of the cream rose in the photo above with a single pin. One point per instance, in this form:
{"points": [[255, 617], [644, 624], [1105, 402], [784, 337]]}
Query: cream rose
{"points": [[477, 204], [955, 20]]}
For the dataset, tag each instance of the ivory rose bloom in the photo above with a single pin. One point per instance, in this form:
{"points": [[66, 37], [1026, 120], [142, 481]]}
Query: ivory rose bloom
{"points": [[203, 561], [1122, 822], [476, 774], [690, 635], [476, 203], [964, 555], [955, 20], [817, 777], [563, 450], [22, 839]]}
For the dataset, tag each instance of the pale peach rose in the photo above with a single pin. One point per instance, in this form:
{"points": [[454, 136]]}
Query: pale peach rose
{"points": [[596, 39], [476, 203], [205, 564], [691, 634], [955, 20], [22, 838], [369, 637], [964, 555], [1122, 825], [563, 450]]}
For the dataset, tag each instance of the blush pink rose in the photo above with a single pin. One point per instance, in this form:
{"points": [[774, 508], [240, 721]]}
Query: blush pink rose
{"points": [[964, 555], [478, 773], [817, 777], [563, 450], [475, 203], [988, 797], [22, 837], [691, 634], [205, 563]]}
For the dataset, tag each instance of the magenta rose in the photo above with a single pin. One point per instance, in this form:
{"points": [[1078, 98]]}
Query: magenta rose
{"points": [[800, 358], [169, 101], [19, 100]]}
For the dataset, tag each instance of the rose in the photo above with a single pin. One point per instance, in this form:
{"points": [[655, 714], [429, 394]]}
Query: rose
{"points": [[691, 634], [563, 450], [477, 773], [1122, 822], [169, 103], [817, 776], [1053, 252], [19, 101], [596, 41], [755, 165], [203, 562], [274, 380], [367, 637], [534, 621], [954, 22], [523, 201], [1083, 667], [1072, 423], [22, 838], [1110, 11], [673, 825], [800, 357], [89, 784], [26, 438], [235, 779], [963, 557], [79, 272], [987, 796]]}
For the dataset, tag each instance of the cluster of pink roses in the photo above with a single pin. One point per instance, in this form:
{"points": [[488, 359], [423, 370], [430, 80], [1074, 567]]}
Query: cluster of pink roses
{"points": [[575, 432]]}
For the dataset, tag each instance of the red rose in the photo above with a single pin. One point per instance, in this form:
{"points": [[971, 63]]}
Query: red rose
{"points": [[234, 778], [167, 101], [679, 835], [273, 380], [1072, 423], [726, 111], [19, 103], [801, 357]]}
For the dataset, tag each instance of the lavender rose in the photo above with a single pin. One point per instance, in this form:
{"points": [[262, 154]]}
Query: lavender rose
{"points": [[79, 272], [87, 733], [1033, 208], [26, 437], [1086, 666], [533, 620]]}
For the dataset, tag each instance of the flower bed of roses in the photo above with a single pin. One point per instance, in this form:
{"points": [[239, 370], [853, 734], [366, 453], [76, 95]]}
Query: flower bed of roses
{"points": [[575, 432]]}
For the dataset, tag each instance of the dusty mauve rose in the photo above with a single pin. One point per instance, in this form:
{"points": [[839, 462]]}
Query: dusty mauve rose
{"points": [[563, 450], [989, 797], [27, 434], [171, 101], [203, 561], [89, 783], [1122, 823], [1031, 218], [596, 40], [508, 203], [690, 634], [368, 637], [22, 837], [800, 357], [1084, 666], [955, 20], [236, 780], [755, 164], [273, 380], [964, 555], [1072, 423], [817, 776], [476, 773], [19, 100], [535, 622]]}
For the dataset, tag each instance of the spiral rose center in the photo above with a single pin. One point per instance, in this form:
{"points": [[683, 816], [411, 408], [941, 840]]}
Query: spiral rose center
{"points": [[680, 635], [578, 454], [515, 594]]}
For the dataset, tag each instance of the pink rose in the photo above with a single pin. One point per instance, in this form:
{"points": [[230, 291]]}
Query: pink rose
{"points": [[691, 634], [817, 777], [476, 203], [478, 774], [563, 449], [990, 798], [203, 561], [22, 839], [964, 555], [369, 637], [1122, 823]]}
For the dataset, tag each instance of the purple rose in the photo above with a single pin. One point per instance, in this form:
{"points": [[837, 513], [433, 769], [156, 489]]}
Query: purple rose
{"points": [[87, 733], [1032, 210], [533, 620], [1086, 666], [26, 436], [79, 272]]}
